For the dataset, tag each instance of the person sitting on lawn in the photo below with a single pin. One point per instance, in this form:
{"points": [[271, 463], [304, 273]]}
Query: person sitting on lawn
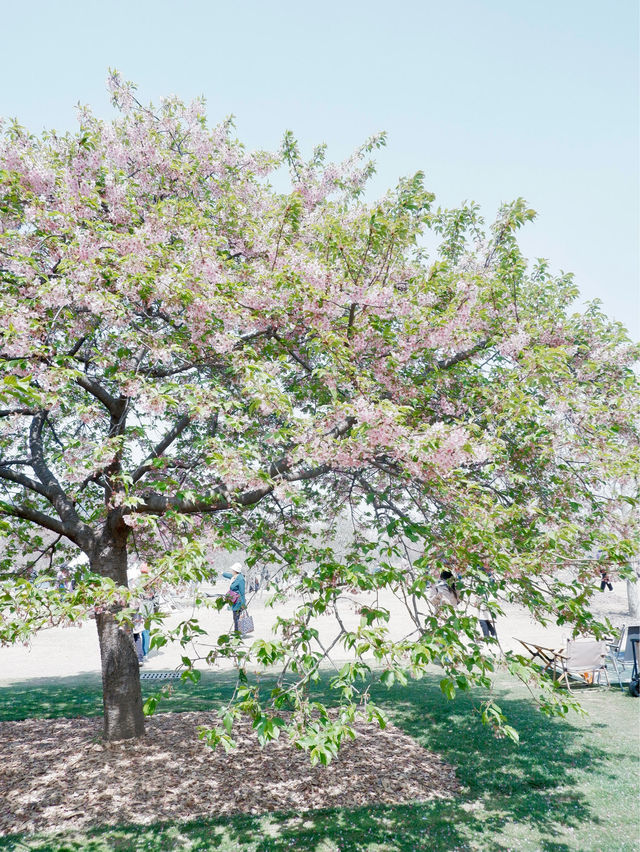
{"points": [[235, 595]]}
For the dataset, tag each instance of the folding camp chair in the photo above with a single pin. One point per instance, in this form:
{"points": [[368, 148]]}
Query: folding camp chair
{"points": [[634, 683], [633, 633], [621, 650], [616, 654], [584, 660]]}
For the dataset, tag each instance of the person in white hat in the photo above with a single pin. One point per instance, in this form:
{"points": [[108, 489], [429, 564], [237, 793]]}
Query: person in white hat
{"points": [[235, 594]]}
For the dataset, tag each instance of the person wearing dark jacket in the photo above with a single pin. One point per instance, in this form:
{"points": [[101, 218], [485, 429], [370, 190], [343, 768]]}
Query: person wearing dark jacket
{"points": [[235, 595], [605, 580]]}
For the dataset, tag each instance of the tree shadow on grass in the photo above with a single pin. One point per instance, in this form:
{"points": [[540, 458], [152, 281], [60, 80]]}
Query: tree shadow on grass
{"points": [[81, 695], [534, 783], [51, 698], [399, 828], [533, 788]]}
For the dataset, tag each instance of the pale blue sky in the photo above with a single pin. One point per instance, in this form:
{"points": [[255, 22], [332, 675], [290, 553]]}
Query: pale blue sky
{"points": [[491, 98]]}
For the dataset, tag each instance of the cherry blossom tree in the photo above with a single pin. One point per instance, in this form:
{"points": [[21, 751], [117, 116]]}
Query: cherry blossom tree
{"points": [[191, 359]]}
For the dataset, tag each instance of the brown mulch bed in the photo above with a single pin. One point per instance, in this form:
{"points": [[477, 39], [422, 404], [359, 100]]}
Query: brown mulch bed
{"points": [[56, 773]]}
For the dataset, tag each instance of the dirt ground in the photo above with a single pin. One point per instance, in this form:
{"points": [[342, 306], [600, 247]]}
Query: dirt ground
{"points": [[64, 652], [57, 772]]}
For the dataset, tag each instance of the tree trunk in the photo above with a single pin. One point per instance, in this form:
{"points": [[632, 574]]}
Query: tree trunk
{"points": [[121, 693], [633, 593]]}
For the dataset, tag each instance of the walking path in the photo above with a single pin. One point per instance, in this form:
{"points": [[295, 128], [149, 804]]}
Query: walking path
{"points": [[64, 652]]}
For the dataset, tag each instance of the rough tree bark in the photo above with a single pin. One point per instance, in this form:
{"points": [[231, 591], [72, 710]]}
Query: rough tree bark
{"points": [[122, 695], [633, 592]]}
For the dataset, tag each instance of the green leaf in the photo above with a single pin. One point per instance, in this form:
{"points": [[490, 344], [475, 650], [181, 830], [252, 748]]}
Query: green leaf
{"points": [[448, 688]]}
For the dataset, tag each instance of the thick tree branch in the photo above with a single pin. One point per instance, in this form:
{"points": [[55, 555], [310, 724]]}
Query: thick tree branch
{"points": [[168, 439], [352, 316], [36, 517], [218, 500], [211, 363], [25, 481], [52, 488], [445, 363], [115, 405], [165, 372]]}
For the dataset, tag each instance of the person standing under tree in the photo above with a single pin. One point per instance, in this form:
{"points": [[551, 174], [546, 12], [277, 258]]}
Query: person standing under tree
{"points": [[235, 595], [485, 620], [605, 580]]}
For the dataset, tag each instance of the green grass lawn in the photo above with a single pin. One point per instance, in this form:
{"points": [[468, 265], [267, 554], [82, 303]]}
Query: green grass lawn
{"points": [[571, 784]]}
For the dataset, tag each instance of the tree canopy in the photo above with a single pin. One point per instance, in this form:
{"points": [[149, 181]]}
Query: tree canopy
{"points": [[192, 360]]}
